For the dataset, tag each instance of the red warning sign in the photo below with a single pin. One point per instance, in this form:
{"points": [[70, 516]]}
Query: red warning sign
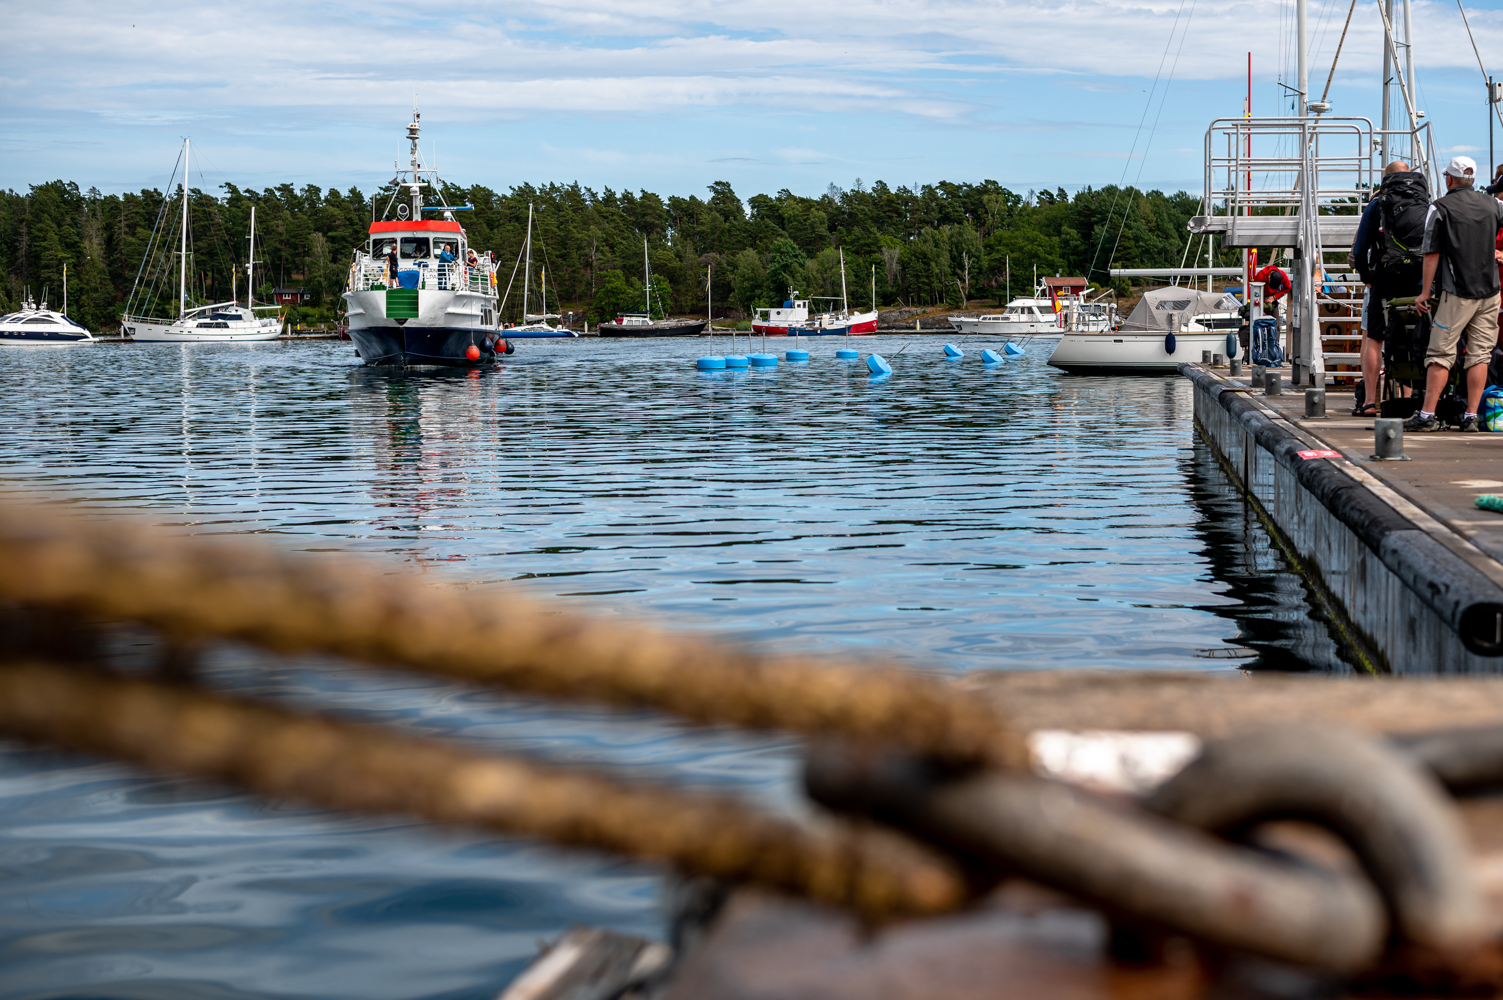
{"points": [[1321, 453]]}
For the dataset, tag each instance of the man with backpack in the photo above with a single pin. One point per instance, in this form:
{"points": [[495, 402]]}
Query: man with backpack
{"points": [[1389, 269], [1461, 231]]}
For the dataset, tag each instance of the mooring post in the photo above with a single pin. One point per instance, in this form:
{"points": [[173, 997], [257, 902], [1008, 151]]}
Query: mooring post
{"points": [[1388, 445], [1258, 374], [1273, 383], [1315, 404], [1236, 367]]}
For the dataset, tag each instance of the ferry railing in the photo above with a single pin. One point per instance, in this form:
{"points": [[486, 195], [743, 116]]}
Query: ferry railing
{"points": [[368, 273]]}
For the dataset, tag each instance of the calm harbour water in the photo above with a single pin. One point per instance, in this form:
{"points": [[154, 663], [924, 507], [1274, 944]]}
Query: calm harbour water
{"points": [[952, 516]]}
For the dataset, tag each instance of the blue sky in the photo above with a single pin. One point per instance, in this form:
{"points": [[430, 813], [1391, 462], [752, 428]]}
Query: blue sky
{"points": [[670, 95]]}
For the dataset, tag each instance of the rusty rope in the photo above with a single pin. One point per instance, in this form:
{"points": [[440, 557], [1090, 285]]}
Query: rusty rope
{"points": [[195, 587], [366, 768]]}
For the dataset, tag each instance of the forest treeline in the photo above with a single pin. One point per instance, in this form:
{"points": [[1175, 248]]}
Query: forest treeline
{"points": [[930, 245]]}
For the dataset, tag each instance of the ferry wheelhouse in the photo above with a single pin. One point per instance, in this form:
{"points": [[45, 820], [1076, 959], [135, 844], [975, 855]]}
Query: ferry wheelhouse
{"points": [[416, 295]]}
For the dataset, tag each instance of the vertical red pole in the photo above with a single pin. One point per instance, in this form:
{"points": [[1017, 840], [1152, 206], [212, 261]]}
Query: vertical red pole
{"points": [[1247, 259]]}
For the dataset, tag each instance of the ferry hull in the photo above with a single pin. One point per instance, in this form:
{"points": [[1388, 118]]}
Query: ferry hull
{"points": [[424, 345], [1002, 328], [1118, 353]]}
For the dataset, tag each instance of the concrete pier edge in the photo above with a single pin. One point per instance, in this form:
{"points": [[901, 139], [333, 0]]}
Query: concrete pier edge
{"points": [[1425, 599]]}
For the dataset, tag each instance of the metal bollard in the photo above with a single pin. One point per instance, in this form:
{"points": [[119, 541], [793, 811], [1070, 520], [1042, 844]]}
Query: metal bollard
{"points": [[1315, 404], [1236, 367], [1258, 374], [1273, 384], [1217, 360], [1205, 358], [1388, 445]]}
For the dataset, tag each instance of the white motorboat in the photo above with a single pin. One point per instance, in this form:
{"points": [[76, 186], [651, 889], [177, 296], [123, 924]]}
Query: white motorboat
{"points": [[1041, 316], [1169, 325], [793, 318], [221, 322], [34, 326]]}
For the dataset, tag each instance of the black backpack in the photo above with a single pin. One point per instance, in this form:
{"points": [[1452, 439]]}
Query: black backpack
{"points": [[1403, 203]]}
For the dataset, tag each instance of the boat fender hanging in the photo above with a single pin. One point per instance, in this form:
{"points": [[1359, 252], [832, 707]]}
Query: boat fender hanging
{"points": [[1231, 344], [472, 352], [510, 347], [1169, 343]]}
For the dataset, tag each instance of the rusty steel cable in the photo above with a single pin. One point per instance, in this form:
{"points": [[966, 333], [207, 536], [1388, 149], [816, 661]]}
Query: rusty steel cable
{"points": [[281, 754], [196, 587]]}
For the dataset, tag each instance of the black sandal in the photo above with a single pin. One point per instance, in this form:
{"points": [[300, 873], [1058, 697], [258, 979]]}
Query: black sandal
{"points": [[1365, 410]]}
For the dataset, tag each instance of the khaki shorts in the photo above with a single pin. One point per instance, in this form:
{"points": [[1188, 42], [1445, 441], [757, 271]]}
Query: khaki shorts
{"points": [[1477, 318]]}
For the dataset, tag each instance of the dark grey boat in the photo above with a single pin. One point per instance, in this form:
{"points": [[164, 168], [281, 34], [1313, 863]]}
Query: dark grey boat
{"points": [[640, 325]]}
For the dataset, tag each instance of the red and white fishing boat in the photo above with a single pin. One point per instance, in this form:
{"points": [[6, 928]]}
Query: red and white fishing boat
{"points": [[793, 319]]}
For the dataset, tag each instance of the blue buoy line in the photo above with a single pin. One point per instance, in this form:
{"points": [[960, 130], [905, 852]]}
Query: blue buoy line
{"points": [[736, 361], [991, 357], [763, 360], [1012, 349], [797, 355], [951, 351], [710, 364], [878, 365], [847, 354]]}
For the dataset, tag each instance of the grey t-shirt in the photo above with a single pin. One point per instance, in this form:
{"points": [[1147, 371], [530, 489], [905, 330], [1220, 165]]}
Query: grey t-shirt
{"points": [[1447, 283]]}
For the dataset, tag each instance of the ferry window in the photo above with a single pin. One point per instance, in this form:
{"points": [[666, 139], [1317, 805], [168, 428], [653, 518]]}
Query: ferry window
{"points": [[414, 246], [381, 247], [453, 245]]}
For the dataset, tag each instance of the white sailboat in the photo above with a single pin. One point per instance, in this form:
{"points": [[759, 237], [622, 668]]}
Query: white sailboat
{"points": [[536, 326], [219, 322]]}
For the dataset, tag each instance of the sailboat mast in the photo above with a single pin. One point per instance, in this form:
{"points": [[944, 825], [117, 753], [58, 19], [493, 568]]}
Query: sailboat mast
{"points": [[65, 288], [182, 270], [527, 271], [647, 277], [844, 306], [1302, 61], [250, 263]]}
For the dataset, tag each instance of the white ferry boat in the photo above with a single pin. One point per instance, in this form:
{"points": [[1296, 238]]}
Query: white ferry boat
{"points": [[417, 295], [221, 322], [34, 326], [1169, 325]]}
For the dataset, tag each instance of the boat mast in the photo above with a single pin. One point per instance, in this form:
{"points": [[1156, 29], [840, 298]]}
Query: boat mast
{"points": [[844, 306], [250, 263], [527, 271], [647, 278], [415, 189], [1409, 79], [182, 270], [65, 288]]}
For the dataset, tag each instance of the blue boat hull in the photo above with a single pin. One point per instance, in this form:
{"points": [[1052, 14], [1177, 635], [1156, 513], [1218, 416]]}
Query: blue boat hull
{"points": [[427, 345]]}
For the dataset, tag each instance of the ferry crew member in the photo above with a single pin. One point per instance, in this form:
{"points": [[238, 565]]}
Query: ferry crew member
{"points": [[445, 258], [1461, 234], [391, 265]]}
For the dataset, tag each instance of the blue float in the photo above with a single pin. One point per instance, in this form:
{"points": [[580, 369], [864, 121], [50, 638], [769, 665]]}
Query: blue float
{"points": [[710, 364], [763, 360], [951, 351], [736, 361], [847, 354], [878, 364], [990, 357], [797, 355], [1012, 349]]}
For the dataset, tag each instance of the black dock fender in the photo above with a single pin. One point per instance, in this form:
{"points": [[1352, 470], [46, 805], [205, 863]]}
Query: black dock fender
{"points": [[1461, 594]]}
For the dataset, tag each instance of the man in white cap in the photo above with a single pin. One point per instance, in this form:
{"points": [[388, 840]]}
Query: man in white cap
{"points": [[1460, 235]]}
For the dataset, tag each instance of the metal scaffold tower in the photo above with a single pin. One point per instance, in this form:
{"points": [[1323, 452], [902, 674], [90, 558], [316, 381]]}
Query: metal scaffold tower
{"points": [[1299, 184]]}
